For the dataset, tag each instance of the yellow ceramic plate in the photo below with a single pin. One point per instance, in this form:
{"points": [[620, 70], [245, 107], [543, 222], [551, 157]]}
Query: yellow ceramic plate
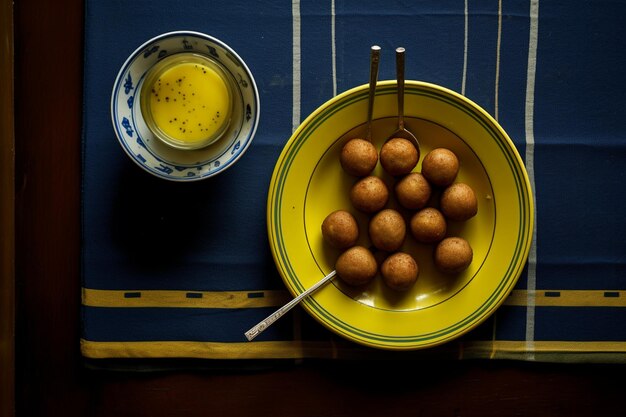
{"points": [[308, 183]]}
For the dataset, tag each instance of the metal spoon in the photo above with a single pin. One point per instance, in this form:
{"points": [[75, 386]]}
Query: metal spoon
{"points": [[374, 60], [402, 132], [267, 322]]}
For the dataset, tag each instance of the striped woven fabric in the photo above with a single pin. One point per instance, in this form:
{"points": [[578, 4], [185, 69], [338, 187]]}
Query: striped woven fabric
{"points": [[182, 270]]}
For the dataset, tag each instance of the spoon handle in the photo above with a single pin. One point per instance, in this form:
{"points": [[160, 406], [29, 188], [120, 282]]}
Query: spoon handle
{"points": [[400, 78], [264, 324], [374, 60]]}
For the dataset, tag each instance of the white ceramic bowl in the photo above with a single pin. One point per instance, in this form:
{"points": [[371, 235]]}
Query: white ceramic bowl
{"points": [[158, 158]]}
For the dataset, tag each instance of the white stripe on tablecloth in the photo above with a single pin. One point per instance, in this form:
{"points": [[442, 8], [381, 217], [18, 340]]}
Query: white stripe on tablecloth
{"points": [[530, 163], [297, 55], [499, 42], [333, 46], [465, 42]]}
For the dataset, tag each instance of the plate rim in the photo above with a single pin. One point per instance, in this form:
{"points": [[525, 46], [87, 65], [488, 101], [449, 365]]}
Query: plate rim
{"points": [[240, 151], [504, 284]]}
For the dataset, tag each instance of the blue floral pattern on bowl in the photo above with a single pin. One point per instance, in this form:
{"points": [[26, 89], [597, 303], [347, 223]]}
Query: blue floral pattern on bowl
{"points": [[149, 152]]}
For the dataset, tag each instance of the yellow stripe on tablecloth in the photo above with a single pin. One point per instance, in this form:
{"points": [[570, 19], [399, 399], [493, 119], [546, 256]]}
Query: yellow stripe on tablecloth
{"points": [[499, 349], [182, 299], [276, 298], [206, 350], [569, 298], [551, 351]]}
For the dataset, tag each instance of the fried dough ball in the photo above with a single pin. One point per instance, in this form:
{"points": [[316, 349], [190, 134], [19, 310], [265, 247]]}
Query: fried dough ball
{"points": [[398, 156], [399, 271], [428, 225], [340, 229], [440, 166], [358, 157], [413, 191], [356, 266], [458, 202], [387, 230], [369, 194], [453, 255]]}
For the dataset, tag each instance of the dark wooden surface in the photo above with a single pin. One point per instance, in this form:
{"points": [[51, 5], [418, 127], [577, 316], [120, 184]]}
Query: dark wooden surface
{"points": [[50, 378], [7, 213]]}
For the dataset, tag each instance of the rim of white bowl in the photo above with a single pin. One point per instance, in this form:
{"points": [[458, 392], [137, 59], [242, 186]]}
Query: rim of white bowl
{"points": [[253, 85]]}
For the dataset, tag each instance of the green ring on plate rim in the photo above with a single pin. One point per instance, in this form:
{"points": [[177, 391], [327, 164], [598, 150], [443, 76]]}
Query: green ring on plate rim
{"points": [[524, 200]]}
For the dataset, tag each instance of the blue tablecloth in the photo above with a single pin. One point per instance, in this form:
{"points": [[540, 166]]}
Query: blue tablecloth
{"points": [[159, 283]]}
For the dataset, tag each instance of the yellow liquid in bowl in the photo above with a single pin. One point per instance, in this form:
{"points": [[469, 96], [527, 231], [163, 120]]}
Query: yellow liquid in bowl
{"points": [[186, 101]]}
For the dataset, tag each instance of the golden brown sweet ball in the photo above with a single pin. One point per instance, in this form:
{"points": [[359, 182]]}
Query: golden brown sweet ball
{"points": [[428, 225], [369, 194], [340, 229], [458, 202], [387, 230], [356, 266], [453, 255], [398, 156], [440, 166], [358, 157], [413, 191], [399, 271]]}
